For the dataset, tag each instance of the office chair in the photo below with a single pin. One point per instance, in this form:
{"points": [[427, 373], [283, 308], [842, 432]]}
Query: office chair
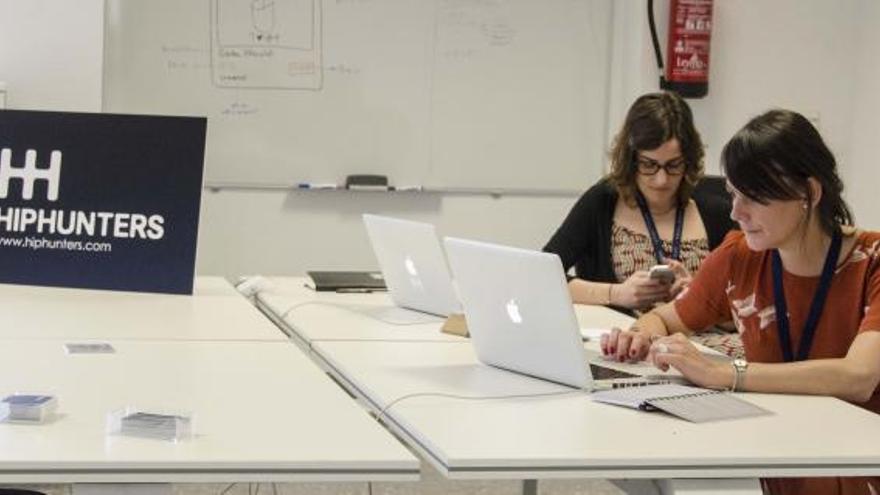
{"points": [[713, 186]]}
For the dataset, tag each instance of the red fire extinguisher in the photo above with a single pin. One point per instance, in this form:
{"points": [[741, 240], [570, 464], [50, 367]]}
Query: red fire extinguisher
{"points": [[687, 47]]}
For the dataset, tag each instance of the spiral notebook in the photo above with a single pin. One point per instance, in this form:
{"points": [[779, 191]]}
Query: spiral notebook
{"points": [[698, 405]]}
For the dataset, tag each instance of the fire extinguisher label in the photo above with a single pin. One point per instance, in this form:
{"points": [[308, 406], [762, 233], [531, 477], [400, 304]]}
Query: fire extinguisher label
{"points": [[688, 48]]}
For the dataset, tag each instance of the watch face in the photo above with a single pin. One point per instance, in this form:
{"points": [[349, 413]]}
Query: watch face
{"points": [[740, 363]]}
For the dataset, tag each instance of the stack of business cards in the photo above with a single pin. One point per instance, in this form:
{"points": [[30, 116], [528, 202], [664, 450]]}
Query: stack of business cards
{"points": [[29, 407], [139, 423]]}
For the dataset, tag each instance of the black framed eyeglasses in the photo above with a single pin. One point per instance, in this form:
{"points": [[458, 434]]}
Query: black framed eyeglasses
{"points": [[647, 166]]}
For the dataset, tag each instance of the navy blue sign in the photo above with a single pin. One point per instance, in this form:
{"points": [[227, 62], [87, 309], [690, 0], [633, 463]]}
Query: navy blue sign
{"points": [[100, 201]]}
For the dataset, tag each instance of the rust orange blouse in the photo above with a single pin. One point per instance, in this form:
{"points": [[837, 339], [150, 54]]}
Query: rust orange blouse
{"points": [[736, 283]]}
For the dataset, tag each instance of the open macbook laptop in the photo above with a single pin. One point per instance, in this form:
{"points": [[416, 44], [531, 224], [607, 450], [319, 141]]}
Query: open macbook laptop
{"points": [[413, 265], [521, 318]]}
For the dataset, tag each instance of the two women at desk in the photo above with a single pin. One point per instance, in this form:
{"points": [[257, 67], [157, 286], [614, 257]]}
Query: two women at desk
{"points": [[801, 284]]}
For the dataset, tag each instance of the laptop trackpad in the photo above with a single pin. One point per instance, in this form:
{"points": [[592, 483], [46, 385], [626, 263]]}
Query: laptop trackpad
{"points": [[603, 373]]}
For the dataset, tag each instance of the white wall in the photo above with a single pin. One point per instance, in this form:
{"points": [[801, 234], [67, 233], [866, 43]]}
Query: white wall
{"points": [[814, 56], [795, 54], [861, 171], [785, 53], [51, 53], [246, 232]]}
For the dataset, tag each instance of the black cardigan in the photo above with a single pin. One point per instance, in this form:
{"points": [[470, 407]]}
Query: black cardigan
{"points": [[584, 238]]}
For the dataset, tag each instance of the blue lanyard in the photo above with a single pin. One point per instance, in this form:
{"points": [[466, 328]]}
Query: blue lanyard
{"points": [[782, 323], [659, 252]]}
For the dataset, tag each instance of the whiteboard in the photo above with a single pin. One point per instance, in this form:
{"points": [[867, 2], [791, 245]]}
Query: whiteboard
{"points": [[482, 94]]}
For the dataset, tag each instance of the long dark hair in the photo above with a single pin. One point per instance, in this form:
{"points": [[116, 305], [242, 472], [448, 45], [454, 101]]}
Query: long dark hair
{"points": [[652, 120], [773, 157]]}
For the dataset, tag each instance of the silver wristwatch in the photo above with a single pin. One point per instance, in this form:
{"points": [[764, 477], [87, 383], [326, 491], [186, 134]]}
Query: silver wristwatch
{"points": [[739, 372]]}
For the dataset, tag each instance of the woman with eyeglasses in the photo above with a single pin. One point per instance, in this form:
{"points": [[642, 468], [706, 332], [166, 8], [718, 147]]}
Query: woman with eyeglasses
{"points": [[800, 282], [642, 213]]}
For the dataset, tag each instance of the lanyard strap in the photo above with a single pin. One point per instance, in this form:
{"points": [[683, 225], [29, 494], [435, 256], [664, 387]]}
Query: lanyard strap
{"points": [[659, 252], [782, 322]]}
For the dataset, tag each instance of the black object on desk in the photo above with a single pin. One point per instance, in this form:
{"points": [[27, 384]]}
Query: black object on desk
{"points": [[367, 182], [341, 281]]}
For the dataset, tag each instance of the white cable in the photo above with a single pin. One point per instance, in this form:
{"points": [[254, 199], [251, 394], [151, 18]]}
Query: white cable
{"points": [[284, 314], [383, 412]]}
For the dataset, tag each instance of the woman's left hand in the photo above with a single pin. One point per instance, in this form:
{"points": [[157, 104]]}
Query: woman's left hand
{"points": [[677, 351], [683, 277]]}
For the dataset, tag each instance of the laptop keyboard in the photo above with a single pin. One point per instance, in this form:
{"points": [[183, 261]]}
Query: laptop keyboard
{"points": [[603, 373]]}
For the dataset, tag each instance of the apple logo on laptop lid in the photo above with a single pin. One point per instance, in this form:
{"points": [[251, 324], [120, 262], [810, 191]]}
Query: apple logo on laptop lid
{"points": [[410, 267], [414, 278], [513, 312]]}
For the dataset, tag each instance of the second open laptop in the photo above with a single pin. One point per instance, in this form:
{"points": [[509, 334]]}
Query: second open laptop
{"points": [[520, 316], [413, 265]]}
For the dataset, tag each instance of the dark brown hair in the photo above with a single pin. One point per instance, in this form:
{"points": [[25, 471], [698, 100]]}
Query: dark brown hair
{"points": [[773, 157], [652, 120]]}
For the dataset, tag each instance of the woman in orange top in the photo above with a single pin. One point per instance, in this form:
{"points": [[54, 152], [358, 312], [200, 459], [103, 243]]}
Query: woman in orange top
{"points": [[801, 285]]}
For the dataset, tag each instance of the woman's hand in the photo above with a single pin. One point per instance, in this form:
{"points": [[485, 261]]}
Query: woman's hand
{"points": [[625, 345], [677, 351], [683, 277], [640, 291]]}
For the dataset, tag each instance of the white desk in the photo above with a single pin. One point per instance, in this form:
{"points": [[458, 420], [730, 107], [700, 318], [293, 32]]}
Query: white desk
{"points": [[309, 316], [601, 317], [571, 436], [214, 312], [432, 392], [263, 412]]}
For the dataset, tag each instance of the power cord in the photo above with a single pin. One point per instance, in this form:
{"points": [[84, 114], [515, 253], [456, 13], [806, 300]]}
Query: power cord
{"points": [[284, 314], [384, 411]]}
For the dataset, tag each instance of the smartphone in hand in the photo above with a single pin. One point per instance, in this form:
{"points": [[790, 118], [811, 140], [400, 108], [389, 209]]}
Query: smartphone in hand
{"points": [[663, 273]]}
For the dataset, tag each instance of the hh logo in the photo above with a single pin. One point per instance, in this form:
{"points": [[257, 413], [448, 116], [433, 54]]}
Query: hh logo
{"points": [[29, 173]]}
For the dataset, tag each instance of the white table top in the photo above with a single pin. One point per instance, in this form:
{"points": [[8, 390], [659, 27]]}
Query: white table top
{"points": [[313, 316], [215, 311], [263, 412], [600, 317], [436, 396]]}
